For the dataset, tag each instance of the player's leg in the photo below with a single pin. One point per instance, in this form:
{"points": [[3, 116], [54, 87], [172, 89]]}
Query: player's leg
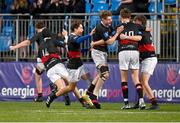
{"points": [[90, 90], [123, 67], [67, 100], [79, 97], [59, 76], [38, 81], [104, 75], [147, 69], [139, 88], [92, 85], [100, 59], [134, 66], [60, 85], [124, 88]]}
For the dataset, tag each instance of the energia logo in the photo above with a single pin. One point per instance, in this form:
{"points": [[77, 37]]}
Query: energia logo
{"points": [[20, 92], [167, 94]]}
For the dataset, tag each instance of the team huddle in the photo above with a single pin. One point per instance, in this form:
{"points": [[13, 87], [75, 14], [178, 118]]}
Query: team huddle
{"points": [[135, 45]]}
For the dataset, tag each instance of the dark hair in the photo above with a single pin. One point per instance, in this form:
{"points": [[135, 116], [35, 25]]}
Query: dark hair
{"points": [[125, 13], [75, 25], [141, 18], [39, 25], [104, 14]]}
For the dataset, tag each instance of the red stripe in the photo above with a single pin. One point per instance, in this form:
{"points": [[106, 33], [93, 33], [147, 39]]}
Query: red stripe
{"points": [[124, 87], [127, 42], [74, 54], [94, 101], [46, 58], [146, 48]]}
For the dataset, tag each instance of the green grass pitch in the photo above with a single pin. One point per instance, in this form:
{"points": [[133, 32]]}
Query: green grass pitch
{"points": [[58, 112]]}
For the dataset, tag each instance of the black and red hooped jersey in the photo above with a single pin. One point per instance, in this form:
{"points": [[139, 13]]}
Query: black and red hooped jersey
{"points": [[50, 52], [74, 52], [130, 29], [146, 46]]}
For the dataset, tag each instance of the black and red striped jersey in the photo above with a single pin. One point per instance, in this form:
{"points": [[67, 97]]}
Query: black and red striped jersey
{"points": [[49, 51], [146, 46], [74, 52], [130, 29]]}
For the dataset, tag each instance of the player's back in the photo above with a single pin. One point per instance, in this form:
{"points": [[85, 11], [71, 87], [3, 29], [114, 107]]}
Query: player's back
{"points": [[130, 29]]}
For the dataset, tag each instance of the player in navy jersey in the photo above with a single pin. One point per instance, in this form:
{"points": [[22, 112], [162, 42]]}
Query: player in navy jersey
{"points": [[39, 37], [148, 61], [75, 66]]}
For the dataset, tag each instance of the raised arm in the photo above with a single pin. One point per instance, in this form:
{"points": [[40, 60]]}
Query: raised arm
{"points": [[86, 37]]}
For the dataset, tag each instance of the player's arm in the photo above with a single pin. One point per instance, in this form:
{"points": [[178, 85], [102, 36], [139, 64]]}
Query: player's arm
{"points": [[110, 39], [96, 43], [21, 44], [84, 38], [60, 42], [25, 42], [133, 38], [143, 28], [113, 38]]}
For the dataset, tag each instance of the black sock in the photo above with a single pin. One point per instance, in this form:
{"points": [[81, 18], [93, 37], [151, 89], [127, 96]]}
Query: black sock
{"points": [[40, 95], [53, 87], [81, 100], [53, 95], [92, 96], [139, 90], [153, 101], [91, 88], [124, 88]]}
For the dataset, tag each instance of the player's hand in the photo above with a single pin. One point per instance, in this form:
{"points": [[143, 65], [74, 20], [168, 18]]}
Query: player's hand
{"points": [[93, 31], [123, 36], [119, 29], [148, 29], [64, 33], [92, 44], [11, 47]]}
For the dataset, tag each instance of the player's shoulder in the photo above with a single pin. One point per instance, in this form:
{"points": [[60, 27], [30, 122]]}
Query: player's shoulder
{"points": [[46, 32], [72, 36], [99, 26], [132, 24]]}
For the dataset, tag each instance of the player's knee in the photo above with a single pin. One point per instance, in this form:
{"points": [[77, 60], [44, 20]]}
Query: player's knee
{"points": [[38, 72], [72, 87], [104, 70]]}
